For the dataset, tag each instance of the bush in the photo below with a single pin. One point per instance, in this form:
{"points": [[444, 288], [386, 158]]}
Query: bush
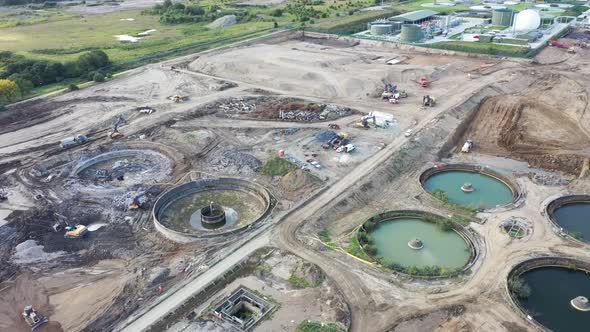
{"points": [[278, 12], [440, 194], [73, 87], [370, 249], [98, 77], [519, 288]]}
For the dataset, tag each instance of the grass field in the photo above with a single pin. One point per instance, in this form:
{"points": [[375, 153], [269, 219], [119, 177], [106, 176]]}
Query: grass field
{"points": [[67, 39]]}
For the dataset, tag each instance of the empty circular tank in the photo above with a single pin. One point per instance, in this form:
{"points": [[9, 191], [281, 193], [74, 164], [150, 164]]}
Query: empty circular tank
{"points": [[411, 33], [502, 17], [380, 29]]}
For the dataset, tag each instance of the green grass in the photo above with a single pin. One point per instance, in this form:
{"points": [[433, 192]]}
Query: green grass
{"points": [[277, 166], [326, 239], [72, 37], [315, 326], [354, 248], [299, 282]]}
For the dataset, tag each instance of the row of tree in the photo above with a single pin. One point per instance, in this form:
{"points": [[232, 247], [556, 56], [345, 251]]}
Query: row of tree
{"points": [[20, 74]]}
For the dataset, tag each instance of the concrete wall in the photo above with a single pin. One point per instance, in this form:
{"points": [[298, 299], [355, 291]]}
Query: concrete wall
{"points": [[112, 155], [170, 196]]}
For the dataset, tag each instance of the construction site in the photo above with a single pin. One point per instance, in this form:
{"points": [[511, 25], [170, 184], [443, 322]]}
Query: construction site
{"points": [[302, 181]]}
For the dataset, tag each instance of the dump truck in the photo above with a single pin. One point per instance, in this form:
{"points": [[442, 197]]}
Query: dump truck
{"points": [[73, 141], [76, 232], [467, 146], [33, 318]]}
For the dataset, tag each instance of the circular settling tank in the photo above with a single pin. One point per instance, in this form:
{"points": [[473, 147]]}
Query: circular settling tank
{"points": [[211, 205], [429, 244], [467, 187], [572, 213], [552, 290]]}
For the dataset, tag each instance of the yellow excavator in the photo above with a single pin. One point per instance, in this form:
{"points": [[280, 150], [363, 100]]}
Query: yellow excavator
{"points": [[76, 232], [116, 133], [139, 202]]}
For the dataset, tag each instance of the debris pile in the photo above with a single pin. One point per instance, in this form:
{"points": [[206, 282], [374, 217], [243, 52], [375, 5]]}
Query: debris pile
{"points": [[29, 252], [235, 162], [286, 109]]}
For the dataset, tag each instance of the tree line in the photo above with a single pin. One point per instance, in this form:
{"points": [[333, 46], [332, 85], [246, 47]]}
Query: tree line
{"points": [[18, 74]]}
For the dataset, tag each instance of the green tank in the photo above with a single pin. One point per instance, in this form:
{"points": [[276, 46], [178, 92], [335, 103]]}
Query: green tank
{"points": [[411, 33]]}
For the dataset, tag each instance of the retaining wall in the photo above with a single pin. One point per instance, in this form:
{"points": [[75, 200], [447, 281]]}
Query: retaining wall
{"points": [[172, 195]]}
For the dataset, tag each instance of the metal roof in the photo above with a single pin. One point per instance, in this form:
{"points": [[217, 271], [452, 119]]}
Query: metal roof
{"points": [[414, 16]]}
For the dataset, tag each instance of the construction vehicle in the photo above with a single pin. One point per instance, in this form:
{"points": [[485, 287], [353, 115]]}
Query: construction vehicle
{"points": [[76, 140], [467, 146], [76, 232], [390, 87], [333, 126], [178, 98], [393, 100], [424, 82], [428, 101], [33, 318], [364, 123], [116, 133], [557, 44], [346, 148], [139, 202]]}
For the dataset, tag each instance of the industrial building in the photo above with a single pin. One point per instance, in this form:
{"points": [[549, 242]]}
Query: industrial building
{"points": [[415, 17]]}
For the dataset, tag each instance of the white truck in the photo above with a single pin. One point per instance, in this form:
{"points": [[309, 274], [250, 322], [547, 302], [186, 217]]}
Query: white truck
{"points": [[467, 146]]}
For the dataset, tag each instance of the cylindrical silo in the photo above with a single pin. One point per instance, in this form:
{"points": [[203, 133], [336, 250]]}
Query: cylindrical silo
{"points": [[411, 33], [380, 29], [502, 17]]}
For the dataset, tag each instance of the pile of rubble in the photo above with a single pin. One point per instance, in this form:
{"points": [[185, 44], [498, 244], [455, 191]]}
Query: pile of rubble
{"points": [[286, 109], [235, 162]]}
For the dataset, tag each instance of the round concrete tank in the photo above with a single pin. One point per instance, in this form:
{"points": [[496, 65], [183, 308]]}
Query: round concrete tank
{"points": [[502, 17], [380, 29], [411, 33], [212, 216]]}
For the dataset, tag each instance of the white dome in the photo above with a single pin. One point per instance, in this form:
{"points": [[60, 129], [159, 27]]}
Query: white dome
{"points": [[527, 20]]}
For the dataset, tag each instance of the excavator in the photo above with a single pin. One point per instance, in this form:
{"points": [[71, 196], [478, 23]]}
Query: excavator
{"points": [[33, 318], [139, 202], [364, 123], [76, 232], [116, 133], [428, 101]]}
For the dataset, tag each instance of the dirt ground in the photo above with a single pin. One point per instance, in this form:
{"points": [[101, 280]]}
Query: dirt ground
{"points": [[522, 120], [318, 299], [525, 110]]}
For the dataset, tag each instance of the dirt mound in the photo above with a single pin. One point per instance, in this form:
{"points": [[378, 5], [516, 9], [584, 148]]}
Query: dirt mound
{"points": [[296, 180], [534, 126], [25, 291]]}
